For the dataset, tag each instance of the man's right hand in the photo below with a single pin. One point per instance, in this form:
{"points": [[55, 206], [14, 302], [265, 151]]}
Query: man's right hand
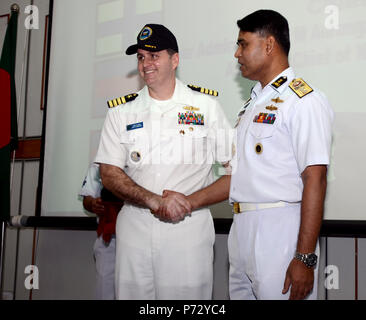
{"points": [[173, 206], [94, 205], [97, 206]]}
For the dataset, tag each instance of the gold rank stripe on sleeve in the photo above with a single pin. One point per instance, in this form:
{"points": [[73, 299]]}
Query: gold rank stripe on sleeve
{"points": [[300, 87], [121, 100], [203, 90]]}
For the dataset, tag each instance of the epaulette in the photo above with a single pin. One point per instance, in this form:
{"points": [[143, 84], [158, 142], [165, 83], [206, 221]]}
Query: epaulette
{"points": [[121, 100], [203, 90], [300, 87]]}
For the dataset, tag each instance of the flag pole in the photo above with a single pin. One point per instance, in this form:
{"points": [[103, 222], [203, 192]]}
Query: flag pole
{"points": [[6, 149], [2, 232]]}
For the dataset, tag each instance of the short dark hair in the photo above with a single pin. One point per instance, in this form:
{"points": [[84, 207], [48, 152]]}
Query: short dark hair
{"points": [[268, 22], [171, 52]]}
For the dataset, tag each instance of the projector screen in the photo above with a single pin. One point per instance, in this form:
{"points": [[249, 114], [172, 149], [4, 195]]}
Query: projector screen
{"points": [[88, 66]]}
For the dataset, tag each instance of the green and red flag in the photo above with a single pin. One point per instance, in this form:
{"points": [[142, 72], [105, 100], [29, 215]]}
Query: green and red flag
{"points": [[8, 113]]}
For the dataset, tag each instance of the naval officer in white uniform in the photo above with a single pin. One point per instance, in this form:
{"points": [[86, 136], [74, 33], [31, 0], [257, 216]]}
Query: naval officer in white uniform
{"points": [[166, 136], [278, 183], [279, 186]]}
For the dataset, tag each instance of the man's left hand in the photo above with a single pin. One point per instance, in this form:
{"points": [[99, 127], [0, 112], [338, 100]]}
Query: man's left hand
{"points": [[174, 206], [300, 278]]}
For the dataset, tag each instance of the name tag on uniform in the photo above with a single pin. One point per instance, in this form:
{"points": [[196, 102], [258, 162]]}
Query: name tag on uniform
{"points": [[134, 126]]}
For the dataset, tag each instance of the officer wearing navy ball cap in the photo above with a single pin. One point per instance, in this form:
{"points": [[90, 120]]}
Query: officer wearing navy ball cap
{"points": [[166, 136]]}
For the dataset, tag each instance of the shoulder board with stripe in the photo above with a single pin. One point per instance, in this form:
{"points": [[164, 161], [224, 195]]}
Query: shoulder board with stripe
{"points": [[203, 90], [121, 100], [300, 87]]}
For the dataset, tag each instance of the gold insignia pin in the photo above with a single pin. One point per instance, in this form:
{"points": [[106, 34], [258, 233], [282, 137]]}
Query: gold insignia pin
{"points": [[182, 132], [190, 128], [277, 100], [279, 82], [271, 108], [190, 108]]}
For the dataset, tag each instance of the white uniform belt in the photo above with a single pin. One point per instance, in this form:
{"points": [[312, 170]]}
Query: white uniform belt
{"points": [[239, 207]]}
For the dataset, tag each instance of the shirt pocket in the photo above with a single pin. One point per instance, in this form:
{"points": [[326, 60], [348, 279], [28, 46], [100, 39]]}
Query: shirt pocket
{"points": [[127, 138], [136, 146], [262, 130], [191, 145]]}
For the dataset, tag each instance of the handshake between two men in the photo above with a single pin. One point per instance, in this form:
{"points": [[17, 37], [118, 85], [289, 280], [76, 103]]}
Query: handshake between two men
{"points": [[171, 206]]}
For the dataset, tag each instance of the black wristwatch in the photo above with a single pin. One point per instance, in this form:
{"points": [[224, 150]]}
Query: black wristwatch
{"points": [[309, 259]]}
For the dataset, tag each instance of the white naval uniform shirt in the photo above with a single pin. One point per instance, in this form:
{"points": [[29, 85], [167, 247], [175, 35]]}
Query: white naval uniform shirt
{"points": [[299, 137], [157, 152], [92, 184]]}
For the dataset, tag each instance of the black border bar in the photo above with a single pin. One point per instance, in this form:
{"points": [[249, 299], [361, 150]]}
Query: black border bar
{"points": [[330, 228]]}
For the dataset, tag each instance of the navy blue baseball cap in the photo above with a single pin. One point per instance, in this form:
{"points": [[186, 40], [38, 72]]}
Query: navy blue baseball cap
{"points": [[154, 37]]}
